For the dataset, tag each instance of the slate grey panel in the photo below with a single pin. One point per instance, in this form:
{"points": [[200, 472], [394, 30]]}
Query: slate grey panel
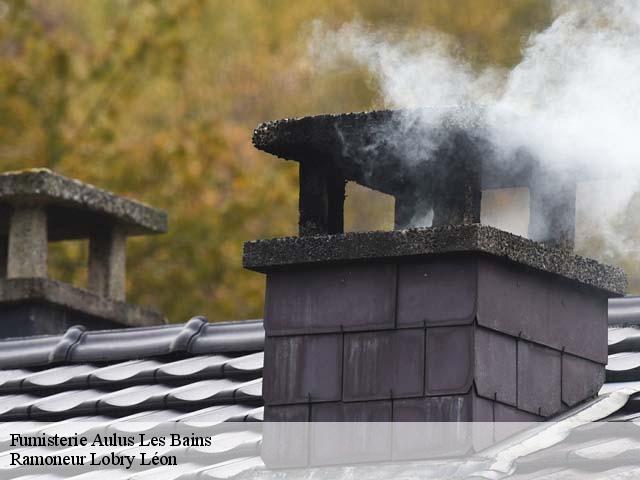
{"points": [[541, 307], [378, 411], [434, 439], [380, 365], [482, 409], [456, 408], [287, 413], [285, 443], [449, 360], [350, 443], [510, 421], [495, 366], [326, 298], [441, 291], [512, 299], [581, 379], [506, 413], [579, 315], [539, 379], [300, 368]]}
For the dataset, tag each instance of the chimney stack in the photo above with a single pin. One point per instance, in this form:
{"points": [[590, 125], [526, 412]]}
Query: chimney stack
{"points": [[456, 322], [40, 206]]}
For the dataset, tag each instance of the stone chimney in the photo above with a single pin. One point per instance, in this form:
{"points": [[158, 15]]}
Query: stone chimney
{"points": [[40, 206], [456, 322]]}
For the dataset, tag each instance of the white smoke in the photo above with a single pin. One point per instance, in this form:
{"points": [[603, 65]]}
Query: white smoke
{"points": [[573, 101]]}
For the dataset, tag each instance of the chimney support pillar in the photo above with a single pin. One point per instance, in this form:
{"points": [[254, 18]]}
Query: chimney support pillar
{"points": [[107, 261], [552, 211], [457, 190], [321, 201], [27, 245], [412, 209]]}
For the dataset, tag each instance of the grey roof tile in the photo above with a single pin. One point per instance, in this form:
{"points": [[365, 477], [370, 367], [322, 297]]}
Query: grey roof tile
{"points": [[195, 337], [624, 339], [226, 469], [60, 376], [131, 394], [613, 386], [134, 370], [624, 311], [139, 374], [237, 337], [211, 366], [211, 392], [80, 402], [20, 353], [195, 374], [628, 362], [218, 413]]}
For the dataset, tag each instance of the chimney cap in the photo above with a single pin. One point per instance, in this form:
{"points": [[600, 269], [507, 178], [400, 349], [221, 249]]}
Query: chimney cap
{"points": [[38, 206], [67, 199], [432, 160], [376, 148], [278, 253]]}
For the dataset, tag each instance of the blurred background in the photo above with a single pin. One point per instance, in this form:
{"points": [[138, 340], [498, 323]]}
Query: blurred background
{"points": [[157, 100]]}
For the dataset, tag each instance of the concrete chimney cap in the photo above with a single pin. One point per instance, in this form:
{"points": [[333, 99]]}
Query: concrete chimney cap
{"points": [[67, 198]]}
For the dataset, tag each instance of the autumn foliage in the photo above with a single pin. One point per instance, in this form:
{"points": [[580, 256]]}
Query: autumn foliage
{"points": [[157, 100]]}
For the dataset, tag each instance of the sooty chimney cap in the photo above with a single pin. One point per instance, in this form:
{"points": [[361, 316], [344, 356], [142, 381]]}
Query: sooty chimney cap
{"points": [[435, 162], [371, 148], [75, 209]]}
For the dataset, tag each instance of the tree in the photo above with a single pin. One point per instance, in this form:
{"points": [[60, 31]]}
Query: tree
{"points": [[157, 99]]}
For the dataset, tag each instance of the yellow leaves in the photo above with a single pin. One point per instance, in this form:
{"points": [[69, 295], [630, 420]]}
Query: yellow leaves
{"points": [[158, 99]]}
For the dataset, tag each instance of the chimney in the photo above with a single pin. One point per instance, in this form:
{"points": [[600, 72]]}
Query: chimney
{"points": [[456, 322], [39, 206]]}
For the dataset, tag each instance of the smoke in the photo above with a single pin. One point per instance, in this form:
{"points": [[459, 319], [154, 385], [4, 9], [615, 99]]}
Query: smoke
{"points": [[573, 101]]}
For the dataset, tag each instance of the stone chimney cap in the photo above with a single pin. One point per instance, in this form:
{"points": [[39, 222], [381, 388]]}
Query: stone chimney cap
{"points": [[67, 198], [291, 252]]}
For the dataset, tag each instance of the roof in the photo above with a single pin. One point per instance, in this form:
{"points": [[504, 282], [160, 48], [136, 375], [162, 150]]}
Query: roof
{"points": [[179, 374], [211, 372], [66, 198], [196, 337]]}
